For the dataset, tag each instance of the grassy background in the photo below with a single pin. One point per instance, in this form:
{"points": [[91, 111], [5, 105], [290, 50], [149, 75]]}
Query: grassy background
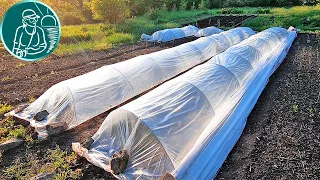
{"points": [[286, 17], [92, 37], [103, 36]]}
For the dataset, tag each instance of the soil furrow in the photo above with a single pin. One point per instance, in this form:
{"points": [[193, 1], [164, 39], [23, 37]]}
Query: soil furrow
{"points": [[281, 139]]}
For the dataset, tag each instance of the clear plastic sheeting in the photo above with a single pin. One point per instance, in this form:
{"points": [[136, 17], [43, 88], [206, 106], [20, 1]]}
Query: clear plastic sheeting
{"points": [[208, 31], [188, 125], [74, 101], [170, 34]]}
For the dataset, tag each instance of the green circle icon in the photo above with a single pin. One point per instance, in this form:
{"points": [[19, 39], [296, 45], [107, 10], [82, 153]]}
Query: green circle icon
{"points": [[30, 30]]}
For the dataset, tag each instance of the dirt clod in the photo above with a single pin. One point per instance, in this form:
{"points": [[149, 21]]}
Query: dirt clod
{"points": [[57, 128], [167, 176], [11, 143], [119, 161], [42, 176], [87, 143], [40, 116], [20, 108]]}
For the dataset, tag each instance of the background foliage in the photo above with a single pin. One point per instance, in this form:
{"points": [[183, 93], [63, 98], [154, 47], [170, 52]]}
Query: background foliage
{"points": [[73, 12]]}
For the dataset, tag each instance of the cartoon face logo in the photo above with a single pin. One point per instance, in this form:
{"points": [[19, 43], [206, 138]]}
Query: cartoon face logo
{"points": [[34, 34]]}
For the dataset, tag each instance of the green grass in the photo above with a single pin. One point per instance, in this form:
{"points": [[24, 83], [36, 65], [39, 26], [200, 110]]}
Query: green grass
{"points": [[4, 108], [295, 108], [9, 130], [64, 49], [73, 34], [60, 163], [6, 78], [20, 65], [242, 10], [18, 132], [5, 126], [286, 17], [184, 17], [139, 25]]}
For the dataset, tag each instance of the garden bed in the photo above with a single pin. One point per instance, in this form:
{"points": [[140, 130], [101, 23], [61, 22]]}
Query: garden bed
{"points": [[281, 139]]}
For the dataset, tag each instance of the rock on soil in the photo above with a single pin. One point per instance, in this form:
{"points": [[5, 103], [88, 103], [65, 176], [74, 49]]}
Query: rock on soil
{"points": [[119, 161], [42, 176], [167, 176], [10, 144]]}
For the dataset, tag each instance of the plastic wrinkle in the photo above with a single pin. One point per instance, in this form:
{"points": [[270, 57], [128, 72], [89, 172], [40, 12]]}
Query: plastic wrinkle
{"points": [[208, 31]]}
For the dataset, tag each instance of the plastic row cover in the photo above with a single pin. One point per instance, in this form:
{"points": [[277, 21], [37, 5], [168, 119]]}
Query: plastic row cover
{"points": [[74, 101], [214, 144], [160, 129], [170, 34], [208, 31]]}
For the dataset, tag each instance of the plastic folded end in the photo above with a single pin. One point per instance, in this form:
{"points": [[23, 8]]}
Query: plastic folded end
{"points": [[145, 37], [83, 152], [79, 150], [293, 29], [24, 121]]}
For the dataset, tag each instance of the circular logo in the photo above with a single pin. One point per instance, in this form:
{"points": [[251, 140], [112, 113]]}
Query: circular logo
{"points": [[30, 30]]}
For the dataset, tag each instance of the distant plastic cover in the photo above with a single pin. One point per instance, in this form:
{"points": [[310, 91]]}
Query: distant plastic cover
{"points": [[188, 125], [74, 101], [208, 31], [170, 34]]}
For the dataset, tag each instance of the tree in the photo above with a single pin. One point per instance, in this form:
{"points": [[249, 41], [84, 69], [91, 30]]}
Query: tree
{"points": [[202, 5], [111, 11], [183, 5], [193, 7], [174, 8], [69, 12], [215, 3], [137, 7], [164, 7], [310, 2]]}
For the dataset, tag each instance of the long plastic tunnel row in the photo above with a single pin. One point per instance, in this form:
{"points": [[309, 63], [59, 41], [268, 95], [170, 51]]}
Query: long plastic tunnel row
{"points": [[74, 101], [181, 127]]}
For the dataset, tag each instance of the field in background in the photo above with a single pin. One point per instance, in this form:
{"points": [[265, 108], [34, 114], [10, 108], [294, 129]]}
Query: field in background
{"points": [[286, 17], [79, 38]]}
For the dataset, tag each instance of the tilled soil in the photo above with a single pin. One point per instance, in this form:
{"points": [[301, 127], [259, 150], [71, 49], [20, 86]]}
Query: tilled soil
{"points": [[281, 141]]}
